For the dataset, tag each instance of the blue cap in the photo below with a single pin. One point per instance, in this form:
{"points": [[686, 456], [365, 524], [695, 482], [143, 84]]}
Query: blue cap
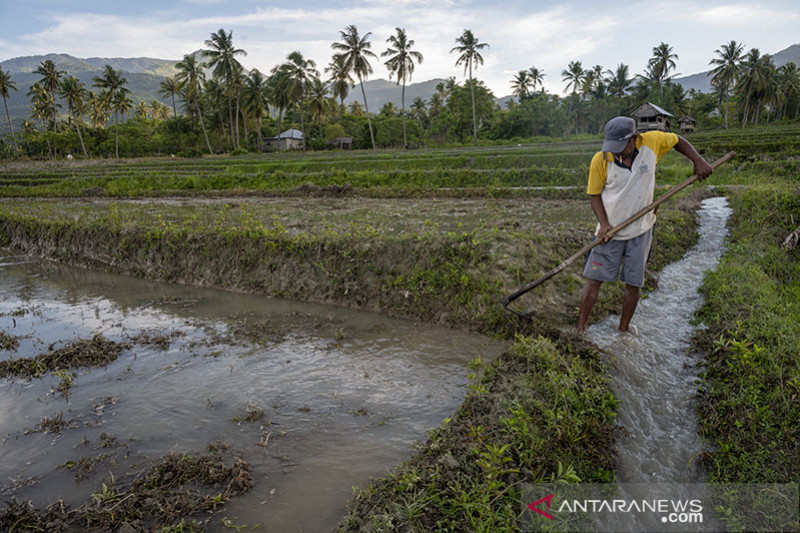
{"points": [[619, 130]]}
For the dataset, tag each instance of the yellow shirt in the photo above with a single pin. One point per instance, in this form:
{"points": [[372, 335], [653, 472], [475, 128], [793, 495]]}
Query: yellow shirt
{"points": [[658, 141]]}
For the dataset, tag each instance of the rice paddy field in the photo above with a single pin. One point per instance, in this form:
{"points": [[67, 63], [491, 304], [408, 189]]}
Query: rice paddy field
{"points": [[439, 236]]}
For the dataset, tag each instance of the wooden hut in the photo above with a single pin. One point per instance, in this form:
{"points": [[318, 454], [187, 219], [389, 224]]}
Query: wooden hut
{"points": [[287, 140], [651, 117], [346, 143], [687, 124]]}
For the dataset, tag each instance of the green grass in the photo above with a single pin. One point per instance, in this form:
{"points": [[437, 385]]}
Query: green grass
{"points": [[749, 408], [771, 151]]}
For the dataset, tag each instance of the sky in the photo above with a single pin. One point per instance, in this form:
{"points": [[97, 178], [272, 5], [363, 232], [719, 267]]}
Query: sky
{"points": [[521, 34]]}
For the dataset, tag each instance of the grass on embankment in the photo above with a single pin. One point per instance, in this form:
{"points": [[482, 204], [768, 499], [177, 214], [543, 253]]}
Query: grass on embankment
{"points": [[750, 396]]}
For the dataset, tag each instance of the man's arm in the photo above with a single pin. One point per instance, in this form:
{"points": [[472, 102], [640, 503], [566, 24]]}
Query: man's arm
{"points": [[600, 212], [701, 168]]}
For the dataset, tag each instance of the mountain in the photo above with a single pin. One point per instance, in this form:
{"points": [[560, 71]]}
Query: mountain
{"points": [[380, 91], [702, 80], [76, 65], [145, 75]]}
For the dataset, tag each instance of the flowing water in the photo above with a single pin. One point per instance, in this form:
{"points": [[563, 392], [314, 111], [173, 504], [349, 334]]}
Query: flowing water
{"points": [[655, 373], [344, 393]]}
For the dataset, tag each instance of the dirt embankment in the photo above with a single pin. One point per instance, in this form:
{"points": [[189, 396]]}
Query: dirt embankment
{"points": [[454, 278]]}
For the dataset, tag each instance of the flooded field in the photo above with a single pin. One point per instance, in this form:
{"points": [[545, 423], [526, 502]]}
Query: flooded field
{"points": [[316, 399]]}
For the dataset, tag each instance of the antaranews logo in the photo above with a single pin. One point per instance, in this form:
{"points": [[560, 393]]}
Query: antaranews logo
{"points": [[534, 506]]}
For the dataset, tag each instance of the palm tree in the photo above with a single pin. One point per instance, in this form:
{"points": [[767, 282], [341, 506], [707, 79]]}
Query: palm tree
{"points": [[114, 85], [726, 71], [618, 81], [169, 88], [299, 74], [159, 110], [5, 85], [662, 62], [401, 64], [190, 77], [98, 108], [73, 90], [753, 81], [436, 105], [356, 51], [536, 77], [256, 98], [789, 78], [419, 110], [50, 78], [277, 93], [521, 84], [222, 58], [340, 81], [469, 47], [319, 103], [573, 75]]}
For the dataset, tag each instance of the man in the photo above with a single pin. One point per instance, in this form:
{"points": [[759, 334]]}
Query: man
{"points": [[621, 183]]}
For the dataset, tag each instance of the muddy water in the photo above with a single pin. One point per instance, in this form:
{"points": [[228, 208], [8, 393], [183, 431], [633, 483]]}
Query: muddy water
{"points": [[654, 373], [343, 393]]}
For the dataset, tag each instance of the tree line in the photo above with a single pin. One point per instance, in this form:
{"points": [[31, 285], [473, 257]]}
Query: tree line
{"points": [[225, 108]]}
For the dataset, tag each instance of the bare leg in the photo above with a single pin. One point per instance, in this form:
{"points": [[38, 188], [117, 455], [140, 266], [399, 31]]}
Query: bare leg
{"points": [[629, 302], [588, 298]]}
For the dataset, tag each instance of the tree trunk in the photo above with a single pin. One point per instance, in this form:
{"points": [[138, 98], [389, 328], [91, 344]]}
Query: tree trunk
{"points": [[237, 118], [302, 124], [258, 133], [174, 113], [746, 110], [403, 108], [11, 125], [203, 125], [116, 134], [341, 121], [474, 116], [230, 113], [727, 106], [244, 123], [366, 106], [80, 137]]}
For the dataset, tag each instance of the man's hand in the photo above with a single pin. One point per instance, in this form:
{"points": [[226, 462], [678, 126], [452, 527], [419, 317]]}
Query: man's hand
{"points": [[603, 233], [702, 169]]}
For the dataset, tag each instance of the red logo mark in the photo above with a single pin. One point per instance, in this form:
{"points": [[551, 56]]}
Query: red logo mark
{"points": [[596, 263], [548, 499]]}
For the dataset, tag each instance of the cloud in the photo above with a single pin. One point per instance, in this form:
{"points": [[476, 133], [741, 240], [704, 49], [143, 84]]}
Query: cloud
{"points": [[520, 34]]}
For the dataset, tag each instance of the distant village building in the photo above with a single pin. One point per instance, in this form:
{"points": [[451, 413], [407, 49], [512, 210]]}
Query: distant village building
{"points": [[287, 140], [651, 117], [346, 143], [688, 124]]}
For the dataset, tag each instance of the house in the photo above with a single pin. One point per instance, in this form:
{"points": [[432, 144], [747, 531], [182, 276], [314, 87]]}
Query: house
{"points": [[346, 143], [651, 117], [288, 140], [688, 124]]}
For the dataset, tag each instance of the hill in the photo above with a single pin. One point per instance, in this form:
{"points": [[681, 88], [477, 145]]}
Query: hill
{"points": [[145, 74], [702, 80]]}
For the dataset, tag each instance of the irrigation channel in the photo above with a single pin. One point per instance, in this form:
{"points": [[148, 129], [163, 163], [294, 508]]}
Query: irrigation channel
{"points": [[343, 393], [654, 373]]}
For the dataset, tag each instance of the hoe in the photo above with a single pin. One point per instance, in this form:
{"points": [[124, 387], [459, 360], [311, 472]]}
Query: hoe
{"points": [[533, 284]]}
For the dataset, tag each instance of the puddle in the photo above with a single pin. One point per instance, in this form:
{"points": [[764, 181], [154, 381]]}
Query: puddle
{"points": [[343, 393]]}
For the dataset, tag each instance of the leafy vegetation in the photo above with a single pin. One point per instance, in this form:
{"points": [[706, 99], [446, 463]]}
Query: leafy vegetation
{"points": [[749, 405], [233, 110]]}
